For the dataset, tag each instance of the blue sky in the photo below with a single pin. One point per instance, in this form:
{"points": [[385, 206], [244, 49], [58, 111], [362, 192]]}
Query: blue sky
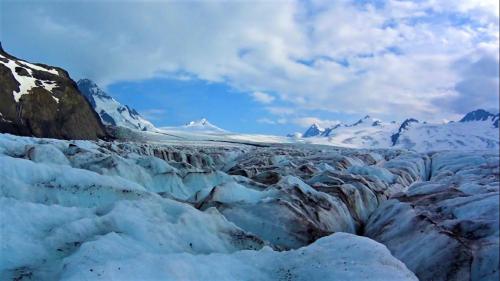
{"points": [[270, 66], [179, 101]]}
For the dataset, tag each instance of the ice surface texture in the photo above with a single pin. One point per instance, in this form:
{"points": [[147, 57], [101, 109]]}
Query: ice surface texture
{"points": [[82, 210], [446, 228]]}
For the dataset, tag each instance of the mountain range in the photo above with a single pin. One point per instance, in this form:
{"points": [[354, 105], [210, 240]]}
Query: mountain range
{"points": [[113, 113], [43, 101], [478, 129]]}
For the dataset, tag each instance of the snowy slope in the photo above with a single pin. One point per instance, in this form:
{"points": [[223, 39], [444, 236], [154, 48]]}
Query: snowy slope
{"points": [[181, 134], [367, 132], [476, 130], [196, 132], [202, 125], [23, 74], [203, 130], [111, 111], [451, 136]]}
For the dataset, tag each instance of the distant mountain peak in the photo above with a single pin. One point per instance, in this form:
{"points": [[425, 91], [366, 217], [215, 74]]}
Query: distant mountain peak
{"points": [[369, 132], [407, 123], [204, 125], [201, 122], [356, 123], [375, 122], [317, 126], [313, 130], [404, 126], [328, 131], [477, 115]]}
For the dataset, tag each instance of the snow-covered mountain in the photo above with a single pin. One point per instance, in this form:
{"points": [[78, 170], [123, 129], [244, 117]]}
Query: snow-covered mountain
{"points": [[202, 125], [404, 126], [476, 130], [478, 115], [198, 130], [110, 110], [366, 132], [481, 115], [314, 130]]}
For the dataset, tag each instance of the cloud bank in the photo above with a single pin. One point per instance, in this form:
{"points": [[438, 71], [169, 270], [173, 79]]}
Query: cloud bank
{"points": [[427, 59], [262, 97]]}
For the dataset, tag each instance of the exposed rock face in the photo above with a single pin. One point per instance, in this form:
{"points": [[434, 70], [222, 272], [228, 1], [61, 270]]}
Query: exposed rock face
{"points": [[446, 228], [477, 115], [43, 101], [496, 120], [360, 121], [404, 126], [314, 130]]}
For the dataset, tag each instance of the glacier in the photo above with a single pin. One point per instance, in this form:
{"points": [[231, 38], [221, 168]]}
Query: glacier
{"points": [[218, 210]]}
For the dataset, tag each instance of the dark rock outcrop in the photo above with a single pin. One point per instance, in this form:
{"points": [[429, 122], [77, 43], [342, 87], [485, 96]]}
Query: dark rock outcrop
{"points": [[477, 115], [314, 130], [43, 101], [403, 127]]}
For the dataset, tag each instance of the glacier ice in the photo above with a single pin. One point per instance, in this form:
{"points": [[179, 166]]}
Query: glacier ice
{"points": [[446, 228], [80, 210]]}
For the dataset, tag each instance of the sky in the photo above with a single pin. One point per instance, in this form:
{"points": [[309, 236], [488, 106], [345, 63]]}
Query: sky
{"points": [[270, 66]]}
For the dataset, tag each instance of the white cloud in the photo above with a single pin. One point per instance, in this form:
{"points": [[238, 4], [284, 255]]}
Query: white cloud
{"points": [[279, 121], [262, 97], [305, 122], [391, 61], [266, 121], [280, 110]]}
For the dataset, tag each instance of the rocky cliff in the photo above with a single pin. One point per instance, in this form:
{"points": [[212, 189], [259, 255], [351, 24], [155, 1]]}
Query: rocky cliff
{"points": [[43, 101]]}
